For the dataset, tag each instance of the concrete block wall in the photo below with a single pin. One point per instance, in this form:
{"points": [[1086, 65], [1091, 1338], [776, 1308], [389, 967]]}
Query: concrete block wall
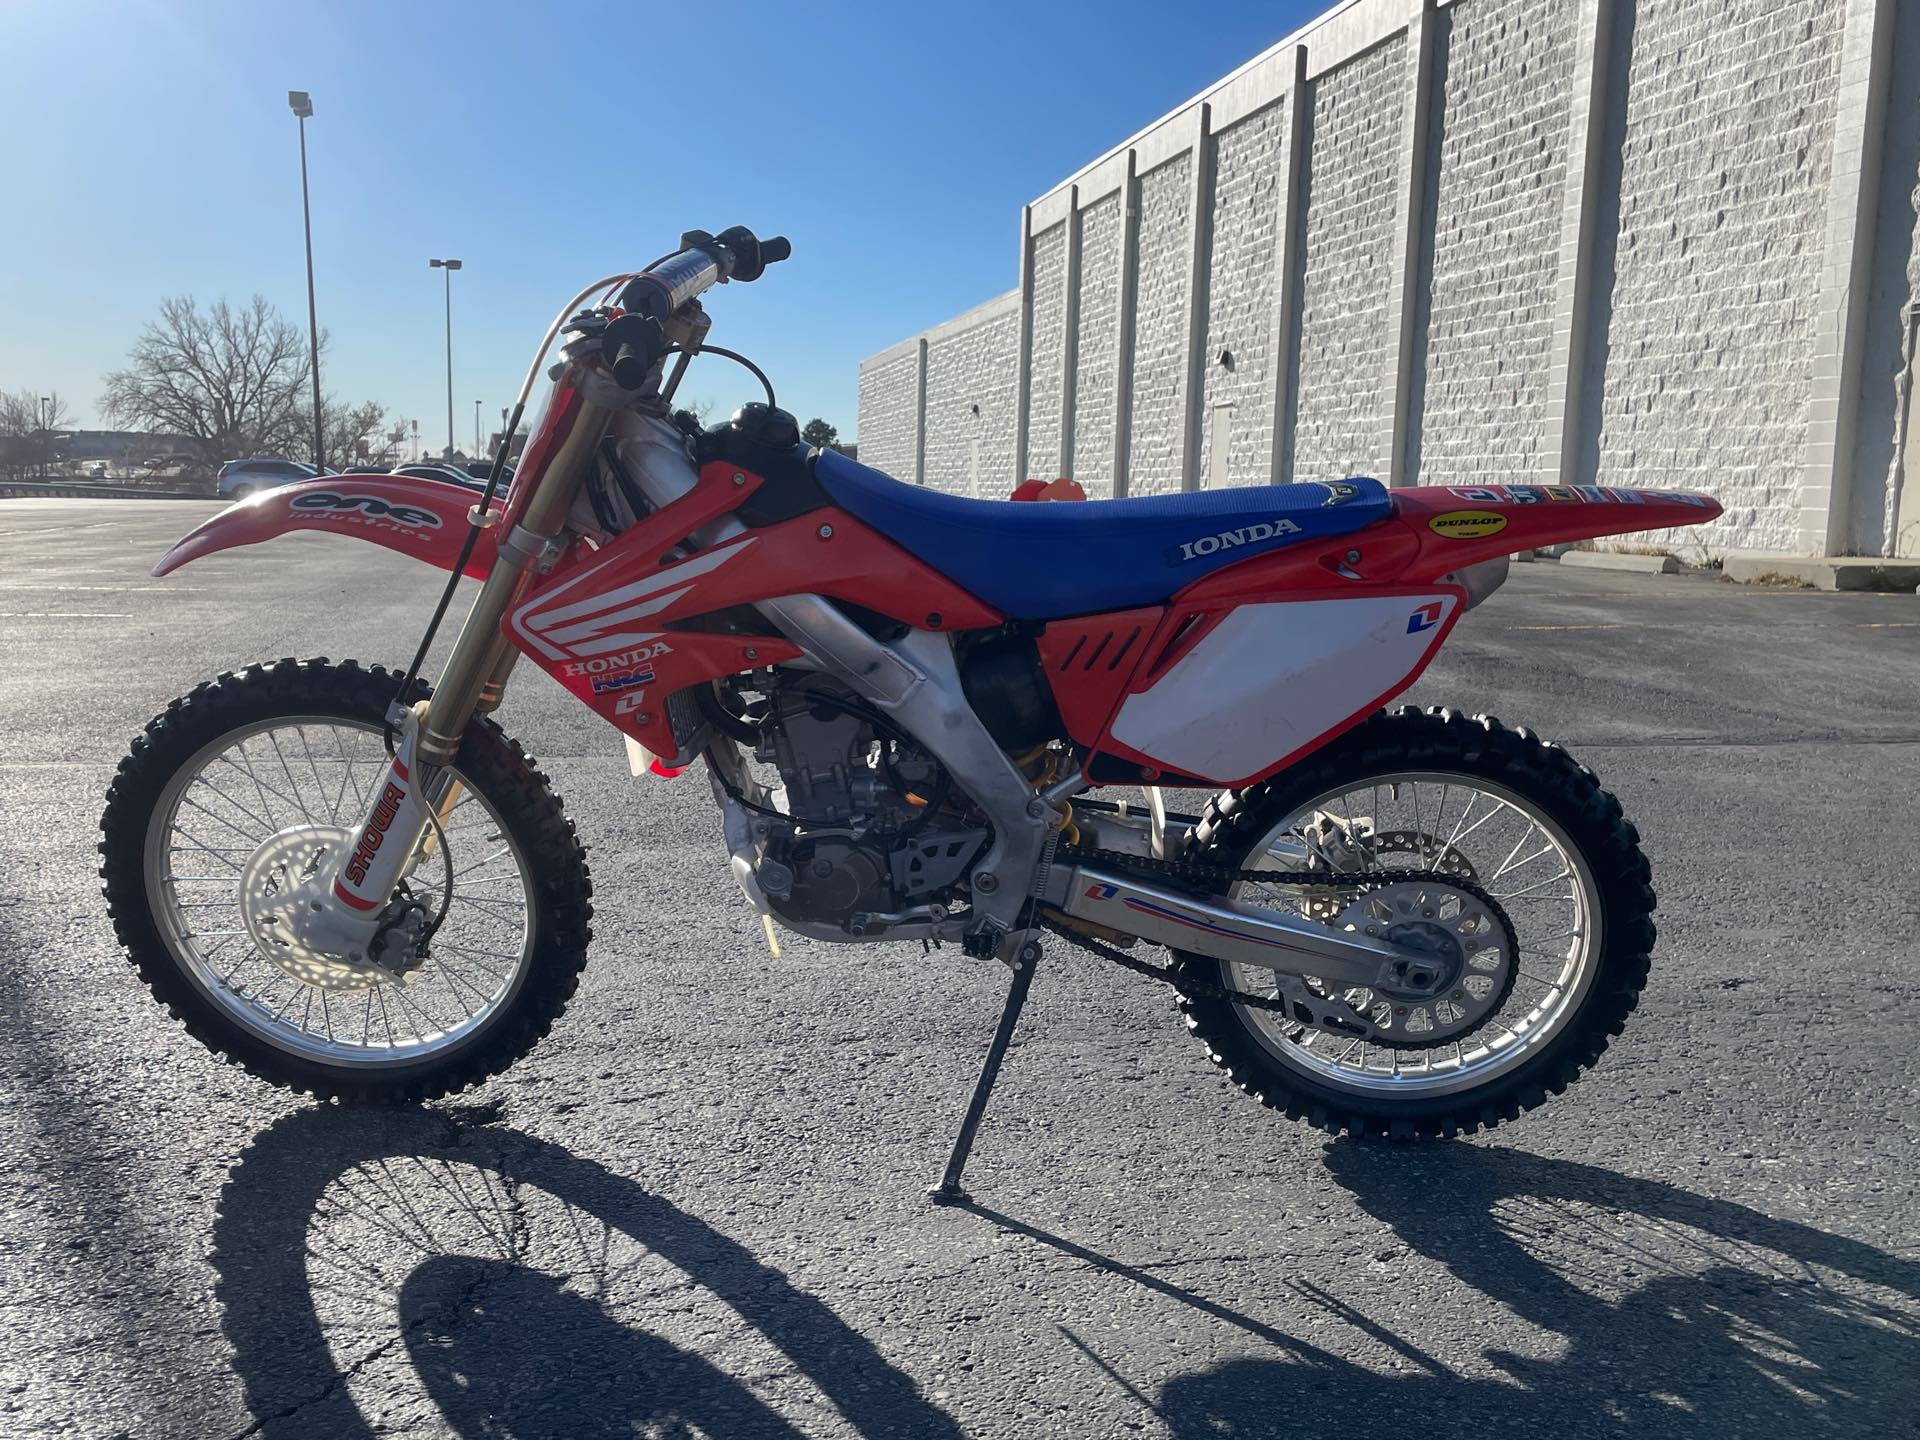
{"points": [[1159, 371], [1496, 167], [1708, 320], [1640, 242], [972, 393], [1238, 394], [1096, 373], [1049, 315], [889, 419], [1345, 356]]}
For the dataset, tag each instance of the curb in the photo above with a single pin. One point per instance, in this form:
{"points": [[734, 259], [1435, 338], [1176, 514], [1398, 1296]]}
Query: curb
{"points": [[1845, 572], [24, 489], [1609, 560]]}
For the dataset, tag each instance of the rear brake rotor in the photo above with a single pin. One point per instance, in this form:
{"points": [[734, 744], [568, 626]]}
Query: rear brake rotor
{"points": [[1461, 971]]}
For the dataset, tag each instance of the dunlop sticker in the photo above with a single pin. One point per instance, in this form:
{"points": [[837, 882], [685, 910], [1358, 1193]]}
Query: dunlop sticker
{"points": [[1467, 524]]}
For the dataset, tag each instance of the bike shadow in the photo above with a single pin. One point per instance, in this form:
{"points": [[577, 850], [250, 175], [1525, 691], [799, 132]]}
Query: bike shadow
{"points": [[377, 1267], [1665, 1312]]}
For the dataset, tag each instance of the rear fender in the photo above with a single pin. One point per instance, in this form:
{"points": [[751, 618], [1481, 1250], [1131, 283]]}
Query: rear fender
{"points": [[1459, 525], [426, 519]]}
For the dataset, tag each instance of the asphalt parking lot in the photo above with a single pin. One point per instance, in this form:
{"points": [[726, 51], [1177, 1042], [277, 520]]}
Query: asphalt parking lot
{"points": [[698, 1208]]}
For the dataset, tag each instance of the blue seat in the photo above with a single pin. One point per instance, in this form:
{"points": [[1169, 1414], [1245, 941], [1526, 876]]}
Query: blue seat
{"points": [[1047, 559]]}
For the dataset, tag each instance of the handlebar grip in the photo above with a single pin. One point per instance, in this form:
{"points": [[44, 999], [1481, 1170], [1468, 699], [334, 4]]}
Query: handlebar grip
{"points": [[633, 345], [630, 367], [775, 250]]}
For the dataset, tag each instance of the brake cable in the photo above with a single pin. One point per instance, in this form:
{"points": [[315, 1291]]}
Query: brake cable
{"points": [[733, 355], [474, 515]]}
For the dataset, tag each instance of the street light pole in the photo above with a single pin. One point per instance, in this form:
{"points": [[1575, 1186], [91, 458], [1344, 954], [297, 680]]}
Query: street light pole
{"points": [[301, 104], [476, 429], [46, 437], [449, 266]]}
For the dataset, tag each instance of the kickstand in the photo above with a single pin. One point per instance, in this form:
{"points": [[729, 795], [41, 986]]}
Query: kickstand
{"points": [[948, 1191]]}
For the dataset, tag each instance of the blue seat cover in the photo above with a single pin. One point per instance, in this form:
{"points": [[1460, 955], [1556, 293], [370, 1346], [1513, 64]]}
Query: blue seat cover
{"points": [[1047, 559]]}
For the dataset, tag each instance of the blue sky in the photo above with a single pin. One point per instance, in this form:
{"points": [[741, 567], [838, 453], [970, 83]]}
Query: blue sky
{"points": [[150, 152]]}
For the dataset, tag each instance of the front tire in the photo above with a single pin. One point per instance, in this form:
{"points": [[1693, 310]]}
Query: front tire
{"points": [[1345, 807], [520, 873]]}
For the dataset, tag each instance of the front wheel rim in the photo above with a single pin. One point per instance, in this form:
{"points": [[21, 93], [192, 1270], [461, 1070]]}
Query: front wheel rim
{"points": [[1547, 887], [241, 789]]}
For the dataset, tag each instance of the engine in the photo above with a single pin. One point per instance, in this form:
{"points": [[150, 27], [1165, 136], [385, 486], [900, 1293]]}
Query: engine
{"points": [[873, 830]]}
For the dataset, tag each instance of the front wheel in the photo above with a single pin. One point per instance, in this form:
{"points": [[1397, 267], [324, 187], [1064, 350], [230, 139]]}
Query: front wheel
{"points": [[260, 770], [1437, 794]]}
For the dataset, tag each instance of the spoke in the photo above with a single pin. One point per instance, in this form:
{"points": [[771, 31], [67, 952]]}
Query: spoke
{"points": [[1518, 846], [346, 772], [1552, 954], [220, 819], [307, 746], [465, 899], [259, 788], [293, 786], [266, 821], [1433, 861], [477, 864], [440, 955], [386, 1017], [1545, 850], [1521, 894]]}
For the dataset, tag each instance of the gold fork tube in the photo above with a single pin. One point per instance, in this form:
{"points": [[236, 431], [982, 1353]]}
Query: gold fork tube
{"points": [[476, 672]]}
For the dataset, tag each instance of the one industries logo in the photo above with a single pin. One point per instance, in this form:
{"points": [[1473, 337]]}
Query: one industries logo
{"points": [[1231, 540]]}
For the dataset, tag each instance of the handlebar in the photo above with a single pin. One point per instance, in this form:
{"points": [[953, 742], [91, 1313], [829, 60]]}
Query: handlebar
{"points": [[636, 341]]}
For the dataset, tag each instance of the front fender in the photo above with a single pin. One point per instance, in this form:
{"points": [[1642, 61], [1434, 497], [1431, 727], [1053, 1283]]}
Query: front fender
{"points": [[426, 519]]}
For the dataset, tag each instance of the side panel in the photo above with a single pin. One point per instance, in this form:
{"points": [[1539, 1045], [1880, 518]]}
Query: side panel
{"points": [[1088, 662], [426, 519], [1269, 680]]}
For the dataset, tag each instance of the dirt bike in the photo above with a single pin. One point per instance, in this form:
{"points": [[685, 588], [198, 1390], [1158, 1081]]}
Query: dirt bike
{"points": [[922, 718]]}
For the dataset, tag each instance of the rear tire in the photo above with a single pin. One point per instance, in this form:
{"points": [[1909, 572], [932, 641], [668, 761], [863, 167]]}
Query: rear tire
{"points": [[558, 892], [1237, 825]]}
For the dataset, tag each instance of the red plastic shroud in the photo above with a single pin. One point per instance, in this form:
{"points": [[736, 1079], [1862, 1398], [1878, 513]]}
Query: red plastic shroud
{"points": [[1432, 532], [624, 627]]}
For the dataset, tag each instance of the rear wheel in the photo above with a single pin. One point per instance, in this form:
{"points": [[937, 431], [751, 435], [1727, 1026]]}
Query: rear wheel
{"points": [[241, 492], [1436, 794], [239, 789]]}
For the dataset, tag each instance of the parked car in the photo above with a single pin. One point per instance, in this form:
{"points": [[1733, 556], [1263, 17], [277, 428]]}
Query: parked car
{"points": [[366, 470], [447, 473], [241, 478]]}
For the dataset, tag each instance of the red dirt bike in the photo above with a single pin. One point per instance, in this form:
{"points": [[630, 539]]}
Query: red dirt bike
{"points": [[912, 709]]}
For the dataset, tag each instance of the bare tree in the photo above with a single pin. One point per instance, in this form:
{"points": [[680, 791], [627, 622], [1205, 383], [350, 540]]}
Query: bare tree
{"points": [[229, 377], [352, 432], [28, 421]]}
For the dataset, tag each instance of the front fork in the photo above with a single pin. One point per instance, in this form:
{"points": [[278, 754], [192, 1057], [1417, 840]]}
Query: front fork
{"points": [[388, 839]]}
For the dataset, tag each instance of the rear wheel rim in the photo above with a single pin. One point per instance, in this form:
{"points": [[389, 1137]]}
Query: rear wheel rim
{"points": [[241, 789], [1517, 852]]}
